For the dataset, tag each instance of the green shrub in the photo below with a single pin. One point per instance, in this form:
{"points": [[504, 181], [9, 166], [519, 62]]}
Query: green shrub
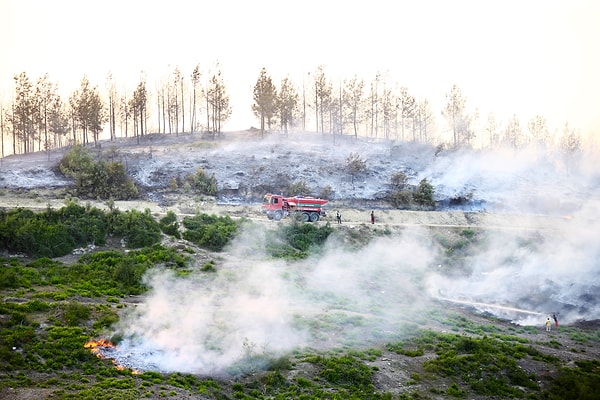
{"points": [[202, 183], [139, 229], [97, 179], [298, 188], [344, 371], [169, 225], [581, 383], [52, 233], [401, 199], [424, 194], [209, 231], [298, 240], [75, 313]]}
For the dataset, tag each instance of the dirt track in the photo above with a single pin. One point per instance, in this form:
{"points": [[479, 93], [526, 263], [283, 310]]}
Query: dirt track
{"points": [[185, 205]]}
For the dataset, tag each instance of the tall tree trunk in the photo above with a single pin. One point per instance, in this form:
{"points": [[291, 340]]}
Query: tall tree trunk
{"points": [[182, 109]]}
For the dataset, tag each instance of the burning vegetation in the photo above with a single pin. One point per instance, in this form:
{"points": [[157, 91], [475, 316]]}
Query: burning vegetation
{"points": [[106, 350]]}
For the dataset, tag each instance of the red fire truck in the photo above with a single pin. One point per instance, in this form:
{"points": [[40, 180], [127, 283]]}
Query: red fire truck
{"points": [[305, 208]]}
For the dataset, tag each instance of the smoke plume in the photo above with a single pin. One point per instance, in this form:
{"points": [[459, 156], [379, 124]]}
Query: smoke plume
{"points": [[254, 306]]}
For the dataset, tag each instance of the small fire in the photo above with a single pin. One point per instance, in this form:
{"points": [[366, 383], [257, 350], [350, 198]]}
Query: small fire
{"points": [[99, 347], [96, 346]]}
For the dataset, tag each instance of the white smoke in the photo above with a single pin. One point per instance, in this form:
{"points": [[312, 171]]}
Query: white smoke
{"points": [[551, 270], [206, 323]]}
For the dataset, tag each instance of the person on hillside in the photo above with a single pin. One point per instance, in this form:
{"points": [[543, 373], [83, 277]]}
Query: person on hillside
{"points": [[372, 217], [548, 325], [339, 217], [555, 320]]}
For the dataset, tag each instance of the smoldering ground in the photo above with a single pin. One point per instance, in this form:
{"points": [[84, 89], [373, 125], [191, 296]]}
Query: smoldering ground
{"points": [[212, 323], [255, 308], [538, 272]]}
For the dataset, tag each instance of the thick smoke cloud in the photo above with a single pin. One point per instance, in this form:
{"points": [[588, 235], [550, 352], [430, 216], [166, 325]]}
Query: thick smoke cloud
{"points": [[211, 323], [543, 271], [550, 272], [208, 323]]}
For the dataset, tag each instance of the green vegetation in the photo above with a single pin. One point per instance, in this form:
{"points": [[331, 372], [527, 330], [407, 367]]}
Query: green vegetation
{"points": [[51, 309], [55, 233], [404, 196], [169, 225], [298, 188], [202, 183], [299, 240], [137, 228], [209, 231], [97, 178], [52, 233]]}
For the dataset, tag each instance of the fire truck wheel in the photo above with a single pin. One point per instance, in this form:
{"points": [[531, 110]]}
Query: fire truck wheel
{"points": [[305, 217], [314, 217], [278, 215]]}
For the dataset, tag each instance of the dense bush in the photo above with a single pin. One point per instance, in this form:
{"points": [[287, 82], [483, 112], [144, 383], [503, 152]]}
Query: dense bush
{"points": [[139, 229], [97, 179], [51, 233], [424, 194], [299, 239], [55, 233], [202, 183], [209, 231], [405, 196], [169, 225], [580, 383], [298, 188]]}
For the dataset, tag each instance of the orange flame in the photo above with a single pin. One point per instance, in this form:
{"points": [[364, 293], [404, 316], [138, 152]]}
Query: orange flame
{"points": [[96, 345]]}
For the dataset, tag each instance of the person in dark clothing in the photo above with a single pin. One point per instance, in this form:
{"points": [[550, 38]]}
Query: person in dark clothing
{"points": [[339, 217], [372, 217]]}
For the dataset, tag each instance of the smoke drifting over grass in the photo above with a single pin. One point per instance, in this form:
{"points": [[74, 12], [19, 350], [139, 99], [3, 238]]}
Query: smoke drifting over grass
{"points": [[551, 272], [252, 307], [546, 271], [256, 308]]}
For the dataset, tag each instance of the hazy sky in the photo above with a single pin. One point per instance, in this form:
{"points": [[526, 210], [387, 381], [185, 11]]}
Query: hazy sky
{"points": [[509, 57]]}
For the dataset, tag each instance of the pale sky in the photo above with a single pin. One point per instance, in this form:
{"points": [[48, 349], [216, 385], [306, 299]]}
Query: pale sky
{"points": [[524, 58]]}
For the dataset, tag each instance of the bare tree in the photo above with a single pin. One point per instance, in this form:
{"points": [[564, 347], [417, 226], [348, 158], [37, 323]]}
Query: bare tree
{"points": [[124, 114], [538, 130], [138, 105], [195, 81], [112, 100], [389, 111], [354, 98], [406, 105], [88, 110], [287, 104], [217, 103], [374, 102], [58, 121], [458, 120], [570, 145], [45, 93], [2, 128], [22, 112], [491, 129], [322, 97], [265, 97], [175, 102], [513, 134], [424, 121]]}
